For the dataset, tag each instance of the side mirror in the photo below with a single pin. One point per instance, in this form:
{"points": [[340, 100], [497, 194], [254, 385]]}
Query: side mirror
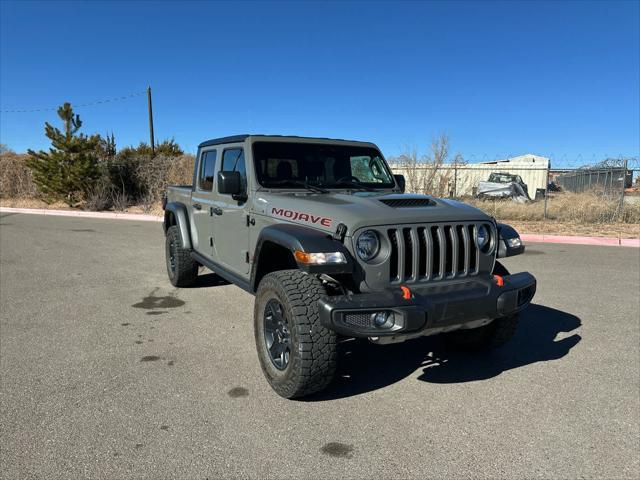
{"points": [[229, 183], [400, 182]]}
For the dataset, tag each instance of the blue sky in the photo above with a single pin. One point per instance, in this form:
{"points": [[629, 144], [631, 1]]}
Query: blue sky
{"points": [[500, 78]]}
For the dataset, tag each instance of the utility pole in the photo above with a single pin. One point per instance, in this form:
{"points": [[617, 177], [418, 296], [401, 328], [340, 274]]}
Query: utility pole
{"points": [[153, 145]]}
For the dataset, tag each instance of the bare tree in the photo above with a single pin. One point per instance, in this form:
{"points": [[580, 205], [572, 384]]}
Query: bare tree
{"points": [[430, 172]]}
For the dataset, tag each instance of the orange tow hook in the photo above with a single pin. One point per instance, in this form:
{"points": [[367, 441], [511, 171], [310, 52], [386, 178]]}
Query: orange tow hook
{"points": [[406, 293], [499, 280]]}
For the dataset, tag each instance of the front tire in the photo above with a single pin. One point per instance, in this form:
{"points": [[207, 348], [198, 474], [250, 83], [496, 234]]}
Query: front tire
{"points": [[297, 354], [490, 336], [181, 268]]}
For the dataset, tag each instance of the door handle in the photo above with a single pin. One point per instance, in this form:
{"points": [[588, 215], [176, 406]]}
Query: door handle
{"points": [[197, 206], [216, 210]]}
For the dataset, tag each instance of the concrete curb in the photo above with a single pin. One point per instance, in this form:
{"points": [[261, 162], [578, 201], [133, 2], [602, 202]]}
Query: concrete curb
{"points": [[533, 238], [72, 213]]}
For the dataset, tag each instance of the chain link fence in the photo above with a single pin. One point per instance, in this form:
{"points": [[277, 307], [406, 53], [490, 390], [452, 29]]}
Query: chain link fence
{"points": [[606, 192], [610, 177]]}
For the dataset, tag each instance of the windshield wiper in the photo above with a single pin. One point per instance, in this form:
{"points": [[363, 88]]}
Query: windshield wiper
{"points": [[298, 183], [353, 183]]}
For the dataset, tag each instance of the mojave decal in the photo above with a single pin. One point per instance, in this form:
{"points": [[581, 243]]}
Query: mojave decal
{"points": [[301, 216]]}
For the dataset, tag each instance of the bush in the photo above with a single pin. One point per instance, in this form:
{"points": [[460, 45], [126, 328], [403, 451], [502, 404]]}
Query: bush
{"points": [[154, 174], [168, 148], [119, 200], [15, 177], [98, 198], [132, 176]]}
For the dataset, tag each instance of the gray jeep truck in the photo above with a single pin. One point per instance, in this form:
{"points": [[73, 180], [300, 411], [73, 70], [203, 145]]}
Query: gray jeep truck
{"points": [[323, 235]]}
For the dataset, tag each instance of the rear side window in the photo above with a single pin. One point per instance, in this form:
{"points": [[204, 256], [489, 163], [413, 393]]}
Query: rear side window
{"points": [[233, 161], [207, 167]]}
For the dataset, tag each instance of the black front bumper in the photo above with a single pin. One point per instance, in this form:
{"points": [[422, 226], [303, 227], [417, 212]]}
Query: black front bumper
{"points": [[429, 306]]}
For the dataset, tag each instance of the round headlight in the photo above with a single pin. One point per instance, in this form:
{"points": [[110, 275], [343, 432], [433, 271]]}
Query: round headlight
{"points": [[483, 237], [368, 245]]}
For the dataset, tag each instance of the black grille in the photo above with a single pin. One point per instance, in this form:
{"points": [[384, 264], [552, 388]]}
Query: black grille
{"points": [[358, 319], [408, 202], [432, 252]]}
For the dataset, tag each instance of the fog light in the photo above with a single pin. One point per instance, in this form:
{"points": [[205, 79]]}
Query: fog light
{"points": [[383, 319]]}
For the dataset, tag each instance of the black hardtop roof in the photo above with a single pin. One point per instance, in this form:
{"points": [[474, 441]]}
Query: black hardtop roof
{"points": [[242, 138]]}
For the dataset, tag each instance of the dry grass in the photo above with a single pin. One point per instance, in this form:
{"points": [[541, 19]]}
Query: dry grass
{"points": [[617, 230], [569, 208], [33, 203]]}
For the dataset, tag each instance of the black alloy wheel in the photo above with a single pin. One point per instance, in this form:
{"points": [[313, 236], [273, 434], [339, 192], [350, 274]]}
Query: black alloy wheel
{"points": [[276, 334]]}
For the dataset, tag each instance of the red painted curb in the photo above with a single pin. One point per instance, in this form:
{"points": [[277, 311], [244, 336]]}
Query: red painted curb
{"points": [[630, 242], [576, 240]]}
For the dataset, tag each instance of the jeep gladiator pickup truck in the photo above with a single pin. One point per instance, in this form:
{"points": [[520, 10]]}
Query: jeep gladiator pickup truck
{"points": [[323, 235]]}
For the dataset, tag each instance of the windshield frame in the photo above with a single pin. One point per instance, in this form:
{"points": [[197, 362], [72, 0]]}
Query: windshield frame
{"points": [[364, 150]]}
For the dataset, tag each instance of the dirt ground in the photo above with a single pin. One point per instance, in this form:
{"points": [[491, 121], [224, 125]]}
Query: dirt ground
{"points": [[619, 230]]}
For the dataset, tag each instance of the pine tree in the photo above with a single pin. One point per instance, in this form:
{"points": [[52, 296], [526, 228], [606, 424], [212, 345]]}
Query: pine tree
{"points": [[70, 168], [106, 149]]}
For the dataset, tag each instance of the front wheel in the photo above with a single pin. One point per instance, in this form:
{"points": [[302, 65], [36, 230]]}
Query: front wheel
{"points": [[297, 354], [490, 336]]}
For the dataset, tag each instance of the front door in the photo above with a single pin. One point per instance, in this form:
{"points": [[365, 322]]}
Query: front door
{"points": [[202, 204], [231, 232]]}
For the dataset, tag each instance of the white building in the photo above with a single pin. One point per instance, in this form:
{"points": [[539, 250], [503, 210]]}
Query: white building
{"points": [[461, 180]]}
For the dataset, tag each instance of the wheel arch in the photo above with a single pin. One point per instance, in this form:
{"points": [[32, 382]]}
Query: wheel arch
{"points": [[175, 213], [276, 246]]}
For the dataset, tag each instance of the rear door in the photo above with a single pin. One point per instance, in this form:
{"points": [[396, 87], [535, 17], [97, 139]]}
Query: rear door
{"points": [[231, 232], [202, 202]]}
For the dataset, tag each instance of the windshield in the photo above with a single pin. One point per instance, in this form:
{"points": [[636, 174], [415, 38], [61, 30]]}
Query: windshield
{"points": [[294, 165], [502, 178]]}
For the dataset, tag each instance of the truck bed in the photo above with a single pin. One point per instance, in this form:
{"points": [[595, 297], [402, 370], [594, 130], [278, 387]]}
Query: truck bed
{"points": [[179, 193]]}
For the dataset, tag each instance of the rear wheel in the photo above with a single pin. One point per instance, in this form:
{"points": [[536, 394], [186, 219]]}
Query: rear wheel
{"points": [[181, 268], [297, 354], [490, 336]]}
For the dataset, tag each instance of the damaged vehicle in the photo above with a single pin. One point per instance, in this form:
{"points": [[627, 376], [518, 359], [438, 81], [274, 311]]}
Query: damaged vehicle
{"points": [[504, 185], [322, 233]]}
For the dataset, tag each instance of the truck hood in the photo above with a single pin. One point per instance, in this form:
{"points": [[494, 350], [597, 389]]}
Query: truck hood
{"points": [[361, 209]]}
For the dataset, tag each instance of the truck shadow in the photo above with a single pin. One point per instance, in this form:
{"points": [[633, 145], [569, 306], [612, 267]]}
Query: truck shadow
{"points": [[363, 367]]}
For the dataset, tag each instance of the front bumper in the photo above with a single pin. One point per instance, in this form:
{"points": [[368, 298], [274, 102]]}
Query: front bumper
{"points": [[428, 307]]}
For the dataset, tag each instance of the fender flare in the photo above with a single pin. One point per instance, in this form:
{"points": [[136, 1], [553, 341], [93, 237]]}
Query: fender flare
{"points": [[179, 212], [304, 239], [507, 232]]}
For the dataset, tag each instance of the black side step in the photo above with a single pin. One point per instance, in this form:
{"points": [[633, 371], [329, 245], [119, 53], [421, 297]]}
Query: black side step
{"points": [[223, 272]]}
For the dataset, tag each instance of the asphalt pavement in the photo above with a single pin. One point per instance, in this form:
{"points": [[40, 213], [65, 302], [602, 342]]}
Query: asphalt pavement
{"points": [[107, 371]]}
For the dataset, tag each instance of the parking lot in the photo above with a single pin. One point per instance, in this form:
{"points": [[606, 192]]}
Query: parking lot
{"points": [[110, 372]]}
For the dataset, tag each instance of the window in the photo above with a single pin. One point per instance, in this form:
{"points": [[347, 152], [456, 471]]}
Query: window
{"points": [[233, 161], [207, 167], [279, 164], [368, 170]]}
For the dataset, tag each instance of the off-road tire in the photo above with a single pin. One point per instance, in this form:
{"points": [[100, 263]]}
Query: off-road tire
{"points": [[185, 269], [490, 336], [312, 358], [499, 269]]}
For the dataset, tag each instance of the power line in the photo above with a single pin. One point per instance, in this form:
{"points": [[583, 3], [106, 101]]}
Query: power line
{"points": [[89, 104]]}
